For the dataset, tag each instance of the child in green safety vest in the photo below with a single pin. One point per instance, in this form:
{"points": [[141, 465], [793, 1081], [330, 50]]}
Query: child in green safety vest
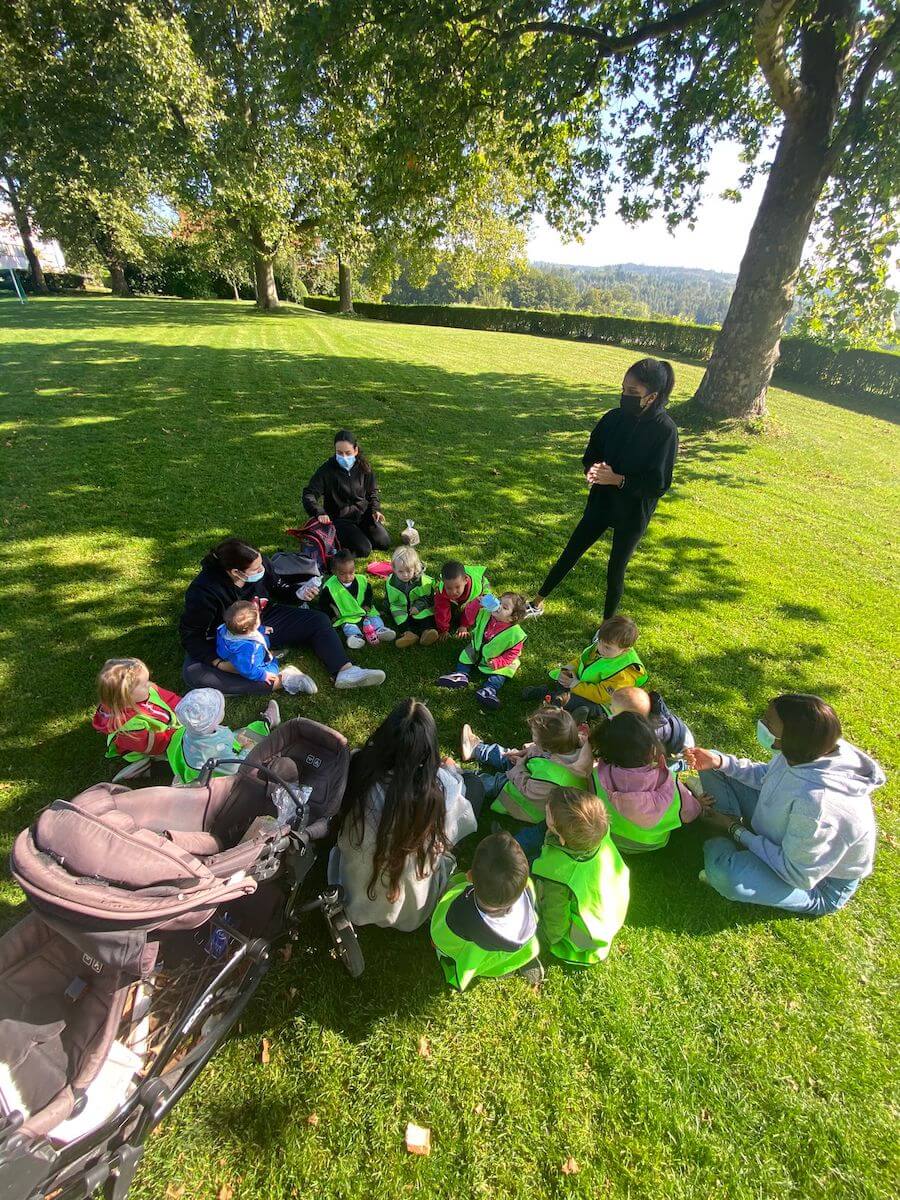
{"points": [[524, 779], [202, 735], [497, 641], [347, 599], [456, 599], [485, 923], [410, 597], [645, 800], [588, 682], [581, 881], [136, 715]]}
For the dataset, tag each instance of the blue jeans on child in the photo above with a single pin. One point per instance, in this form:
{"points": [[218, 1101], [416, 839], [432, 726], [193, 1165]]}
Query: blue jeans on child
{"points": [[349, 630], [492, 681], [739, 875], [493, 755]]}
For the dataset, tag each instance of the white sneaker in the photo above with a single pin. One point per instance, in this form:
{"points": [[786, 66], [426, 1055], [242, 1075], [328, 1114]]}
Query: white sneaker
{"points": [[353, 676], [355, 642], [703, 878], [294, 681], [533, 610], [386, 635], [132, 770]]}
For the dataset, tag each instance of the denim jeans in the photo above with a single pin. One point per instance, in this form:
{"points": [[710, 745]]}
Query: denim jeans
{"points": [[349, 630], [493, 755], [740, 875], [531, 839], [492, 681]]}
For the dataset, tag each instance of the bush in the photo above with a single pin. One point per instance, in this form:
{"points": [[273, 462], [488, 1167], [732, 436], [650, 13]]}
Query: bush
{"points": [[57, 282], [870, 372]]}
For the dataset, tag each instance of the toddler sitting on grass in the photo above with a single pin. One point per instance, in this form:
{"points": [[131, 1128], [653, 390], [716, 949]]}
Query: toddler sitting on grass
{"points": [[242, 641], [136, 715], [587, 683], [410, 597], [347, 598], [674, 735], [203, 736], [495, 648]]}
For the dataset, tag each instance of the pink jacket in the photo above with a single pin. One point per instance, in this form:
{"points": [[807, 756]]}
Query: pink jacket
{"points": [[508, 656], [642, 794]]}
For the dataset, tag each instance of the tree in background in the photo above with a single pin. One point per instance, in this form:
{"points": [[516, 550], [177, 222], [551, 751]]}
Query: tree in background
{"points": [[642, 91]]}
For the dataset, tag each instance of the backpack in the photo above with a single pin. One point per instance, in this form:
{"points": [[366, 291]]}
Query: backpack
{"points": [[318, 543]]}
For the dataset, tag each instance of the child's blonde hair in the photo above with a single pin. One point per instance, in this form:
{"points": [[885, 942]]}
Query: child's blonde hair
{"points": [[406, 556], [579, 818], [631, 699], [241, 617], [116, 683], [554, 730]]}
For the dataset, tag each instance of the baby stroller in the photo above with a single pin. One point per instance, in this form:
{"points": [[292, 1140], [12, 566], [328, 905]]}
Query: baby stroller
{"points": [[153, 917]]}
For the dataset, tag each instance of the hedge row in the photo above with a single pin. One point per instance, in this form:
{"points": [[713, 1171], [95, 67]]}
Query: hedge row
{"points": [[869, 372]]}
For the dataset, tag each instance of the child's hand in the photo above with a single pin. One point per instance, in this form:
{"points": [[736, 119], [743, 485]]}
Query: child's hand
{"points": [[515, 755], [274, 681], [443, 635], [245, 740], [462, 633], [566, 678], [705, 800], [448, 761]]}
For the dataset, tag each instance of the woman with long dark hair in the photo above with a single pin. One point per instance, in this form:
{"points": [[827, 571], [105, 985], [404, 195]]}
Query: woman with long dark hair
{"points": [[344, 491], [796, 832], [403, 812], [234, 570], [628, 466]]}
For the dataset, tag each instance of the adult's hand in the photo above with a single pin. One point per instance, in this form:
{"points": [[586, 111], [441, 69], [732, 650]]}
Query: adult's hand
{"points": [[602, 475], [721, 822], [703, 760], [324, 519], [379, 518]]}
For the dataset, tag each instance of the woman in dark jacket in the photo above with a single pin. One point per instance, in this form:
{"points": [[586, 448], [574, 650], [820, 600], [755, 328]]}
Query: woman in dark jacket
{"points": [[344, 491], [232, 571], [628, 466]]}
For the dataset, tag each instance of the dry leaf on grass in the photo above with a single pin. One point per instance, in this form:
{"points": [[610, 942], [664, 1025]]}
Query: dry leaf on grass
{"points": [[312, 1119], [225, 1192], [479, 1109], [175, 1193], [264, 1051], [424, 1047], [570, 1167], [418, 1139]]}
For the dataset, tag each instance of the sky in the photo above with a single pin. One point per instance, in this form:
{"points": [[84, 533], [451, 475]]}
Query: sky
{"points": [[716, 243]]}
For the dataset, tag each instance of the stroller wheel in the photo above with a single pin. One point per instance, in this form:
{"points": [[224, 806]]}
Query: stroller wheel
{"points": [[346, 943]]}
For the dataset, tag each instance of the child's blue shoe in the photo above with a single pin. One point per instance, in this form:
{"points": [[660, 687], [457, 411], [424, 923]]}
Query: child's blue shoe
{"points": [[487, 697], [455, 679]]}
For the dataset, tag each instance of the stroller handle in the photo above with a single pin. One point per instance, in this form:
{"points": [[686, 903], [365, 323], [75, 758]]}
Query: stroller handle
{"points": [[212, 764]]}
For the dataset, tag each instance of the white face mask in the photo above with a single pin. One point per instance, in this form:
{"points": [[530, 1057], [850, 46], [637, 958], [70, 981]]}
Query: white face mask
{"points": [[765, 736]]}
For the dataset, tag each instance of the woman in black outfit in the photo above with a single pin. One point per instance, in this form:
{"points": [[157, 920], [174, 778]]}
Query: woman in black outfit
{"points": [[344, 491], [628, 465], [232, 571]]}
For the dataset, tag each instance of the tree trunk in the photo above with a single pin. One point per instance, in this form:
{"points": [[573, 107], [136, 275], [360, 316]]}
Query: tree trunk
{"points": [[234, 288], [345, 287], [264, 273], [23, 224], [748, 347], [117, 281]]}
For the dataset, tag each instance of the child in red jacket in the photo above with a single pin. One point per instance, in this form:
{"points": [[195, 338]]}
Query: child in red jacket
{"points": [[137, 716], [456, 601]]}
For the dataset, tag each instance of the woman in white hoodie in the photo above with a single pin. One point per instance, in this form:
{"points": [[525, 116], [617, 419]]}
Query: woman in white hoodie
{"points": [[801, 829], [403, 812]]}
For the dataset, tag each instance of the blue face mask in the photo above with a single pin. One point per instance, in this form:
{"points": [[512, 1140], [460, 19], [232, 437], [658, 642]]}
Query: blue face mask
{"points": [[255, 576], [345, 460], [765, 736]]}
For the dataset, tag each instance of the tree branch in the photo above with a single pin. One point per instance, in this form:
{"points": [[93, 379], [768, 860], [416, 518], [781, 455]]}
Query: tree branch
{"points": [[878, 55], [609, 44], [768, 41]]}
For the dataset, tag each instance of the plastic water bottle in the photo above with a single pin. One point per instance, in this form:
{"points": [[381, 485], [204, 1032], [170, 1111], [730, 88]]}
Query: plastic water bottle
{"points": [[490, 602], [370, 633]]}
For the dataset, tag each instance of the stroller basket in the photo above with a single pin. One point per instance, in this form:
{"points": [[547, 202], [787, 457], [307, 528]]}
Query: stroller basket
{"points": [[153, 914]]}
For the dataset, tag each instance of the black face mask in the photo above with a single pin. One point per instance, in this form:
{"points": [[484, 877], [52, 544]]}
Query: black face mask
{"points": [[630, 404]]}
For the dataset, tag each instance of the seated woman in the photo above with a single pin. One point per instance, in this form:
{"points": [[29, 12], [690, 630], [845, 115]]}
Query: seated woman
{"points": [[402, 814], [801, 830], [344, 490], [234, 571]]}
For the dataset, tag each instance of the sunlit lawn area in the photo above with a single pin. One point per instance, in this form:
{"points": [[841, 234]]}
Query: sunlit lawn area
{"points": [[719, 1050]]}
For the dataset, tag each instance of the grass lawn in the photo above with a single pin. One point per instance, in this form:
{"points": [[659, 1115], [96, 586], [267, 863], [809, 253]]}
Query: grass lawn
{"points": [[719, 1050]]}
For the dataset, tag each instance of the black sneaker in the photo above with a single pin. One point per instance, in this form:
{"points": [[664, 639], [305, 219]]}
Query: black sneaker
{"points": [[533, 972]]}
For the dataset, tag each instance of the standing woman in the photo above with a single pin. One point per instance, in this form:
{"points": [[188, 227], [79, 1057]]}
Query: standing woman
{"points": [[344, 491], [628, 466]]}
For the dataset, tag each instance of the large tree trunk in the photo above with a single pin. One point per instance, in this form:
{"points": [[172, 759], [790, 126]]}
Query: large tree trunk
{"points": [[23, 224], [345, 287], [117, 281], [264, 273], [747, 349]]}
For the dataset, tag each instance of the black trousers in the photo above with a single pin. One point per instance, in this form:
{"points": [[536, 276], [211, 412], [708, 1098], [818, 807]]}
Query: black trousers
{"points": [[361, 536], [291, 626], [594, 523]]}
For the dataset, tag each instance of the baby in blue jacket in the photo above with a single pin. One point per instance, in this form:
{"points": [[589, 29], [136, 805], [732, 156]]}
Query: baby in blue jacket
{"points": [[242, 641]]}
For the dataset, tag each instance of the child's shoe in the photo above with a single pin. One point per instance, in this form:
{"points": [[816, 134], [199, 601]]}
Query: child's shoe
{"points": [[355, 642], [429, 637], [533, 972], [370, 633], [407, 639], [487, 697], [455, 679], [132, 770], [468, 739], [271, 714], [386, 635]]}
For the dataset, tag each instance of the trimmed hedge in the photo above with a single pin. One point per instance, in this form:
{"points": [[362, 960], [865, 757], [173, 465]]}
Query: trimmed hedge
{"points": [[870, 372]]}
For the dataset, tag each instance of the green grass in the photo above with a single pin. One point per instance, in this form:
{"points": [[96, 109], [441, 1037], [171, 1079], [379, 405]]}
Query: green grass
{"points": [[720, 1050]]}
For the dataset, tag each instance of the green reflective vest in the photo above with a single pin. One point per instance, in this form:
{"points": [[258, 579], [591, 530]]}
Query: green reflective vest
{"points": [[598, 899], [480, 585], [185, 772], [348, 601], [479, 652], [514, 803], [599, 669], [400, 603], [463, 961], [141, 721], [629, 836]]}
